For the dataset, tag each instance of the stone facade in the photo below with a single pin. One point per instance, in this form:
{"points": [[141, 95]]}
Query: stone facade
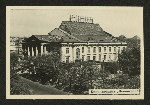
{"points": [[91, 51]]}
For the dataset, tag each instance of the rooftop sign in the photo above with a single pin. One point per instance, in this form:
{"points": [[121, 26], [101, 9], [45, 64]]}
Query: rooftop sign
{"points": [[75, 18]]}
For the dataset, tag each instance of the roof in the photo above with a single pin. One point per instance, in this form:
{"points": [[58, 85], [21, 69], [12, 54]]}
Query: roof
{"points": [[42, 37], [70, 31], [37, 38], [61, 34], [81, 28]]}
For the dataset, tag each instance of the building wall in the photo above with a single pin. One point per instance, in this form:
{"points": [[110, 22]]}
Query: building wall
{"points": [[68, 51], [13, 44], [99, 56]]}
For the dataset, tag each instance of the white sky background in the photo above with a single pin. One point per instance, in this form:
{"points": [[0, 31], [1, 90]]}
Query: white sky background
{"points": [[117, 21]]}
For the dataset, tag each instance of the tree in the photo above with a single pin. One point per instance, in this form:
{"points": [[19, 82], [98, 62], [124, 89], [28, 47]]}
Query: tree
{"points": [[13, 60], [129, 61], [16, 85], [111, 67]]}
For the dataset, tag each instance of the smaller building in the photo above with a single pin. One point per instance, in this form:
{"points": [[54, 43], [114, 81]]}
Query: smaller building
{"points": [[16, 44]]}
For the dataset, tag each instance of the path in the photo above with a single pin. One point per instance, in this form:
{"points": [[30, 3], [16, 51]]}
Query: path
{"points": [[39, 89]]}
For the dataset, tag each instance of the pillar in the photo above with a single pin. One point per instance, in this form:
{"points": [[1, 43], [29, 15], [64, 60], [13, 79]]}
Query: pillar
{"points": [[41, 49], [44, 49], [73, 54], [36, 51], [28, 51], [32, 51]]}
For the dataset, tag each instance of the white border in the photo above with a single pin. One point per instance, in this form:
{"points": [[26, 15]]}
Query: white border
{"points": [[8, 96]]}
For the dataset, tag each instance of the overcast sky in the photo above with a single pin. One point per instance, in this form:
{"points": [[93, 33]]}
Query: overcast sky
{"points": [[117, 21]]}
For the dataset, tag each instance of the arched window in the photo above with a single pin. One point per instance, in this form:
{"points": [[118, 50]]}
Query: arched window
{"points": [[77, 53]]}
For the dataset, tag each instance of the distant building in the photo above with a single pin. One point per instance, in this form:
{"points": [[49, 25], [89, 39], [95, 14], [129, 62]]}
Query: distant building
{"points": [[13, 44], [76, 39], [16, 44]]}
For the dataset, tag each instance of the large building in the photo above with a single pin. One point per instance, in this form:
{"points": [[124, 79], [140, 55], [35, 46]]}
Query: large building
{"points": [[76, 39]]}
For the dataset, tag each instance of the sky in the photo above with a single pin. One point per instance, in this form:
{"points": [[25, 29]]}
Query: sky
{"points": [[117, 21]]}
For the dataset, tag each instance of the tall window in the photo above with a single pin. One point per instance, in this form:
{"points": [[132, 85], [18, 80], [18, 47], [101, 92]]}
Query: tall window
{"points": [[88, 58], [109, 57], [67, 59], [104, 49], [109, 49], [99, 57], [114, 49], [123, 48], [94, 49], [118, 49], [104, 57], [82, 57], [88, 49], [82, 49], [67, 50], [99, 49], [94, 58], [77, 53]]}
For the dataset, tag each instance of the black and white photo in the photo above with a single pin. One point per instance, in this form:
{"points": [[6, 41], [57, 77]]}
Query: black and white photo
{"points": [[74, 52]]}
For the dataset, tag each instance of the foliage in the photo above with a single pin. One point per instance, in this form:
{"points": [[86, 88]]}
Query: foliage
{"points": [[16, 85], [111, 67], [129, 61], [13, 60], [80, 76]]}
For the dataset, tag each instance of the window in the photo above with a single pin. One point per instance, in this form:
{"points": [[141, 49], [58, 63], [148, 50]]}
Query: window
{"points": [[109, 49], [99, 49], [94, 58], [114, 49], [78, 53], [88, 49], [104, 49], [94, 50], [109, 57], [88, 58], [82, 57], [99, 57], [104, 57], [123, 48], [67, 50], [82, 49], [67, 59], [118, 49]]}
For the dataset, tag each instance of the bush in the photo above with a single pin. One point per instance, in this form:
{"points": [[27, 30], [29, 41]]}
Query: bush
{"points": [[17, 87], [111, 67], [129, 61]]}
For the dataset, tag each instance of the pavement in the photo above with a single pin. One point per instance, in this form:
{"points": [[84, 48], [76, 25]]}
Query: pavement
{"points": [[39, 89]]}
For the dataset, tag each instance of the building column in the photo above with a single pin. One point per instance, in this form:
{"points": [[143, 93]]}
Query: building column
{"points": [[97, 53], [28, 50], [41, 49], [73, 54], [32, 51], [36, 51], [44, 49]]}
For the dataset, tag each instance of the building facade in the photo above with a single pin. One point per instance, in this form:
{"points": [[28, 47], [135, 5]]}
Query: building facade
{"points": [[16, 44], [76, 39]]}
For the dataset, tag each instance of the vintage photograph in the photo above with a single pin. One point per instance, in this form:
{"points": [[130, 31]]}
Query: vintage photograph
{"points": [[74, 52]]}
